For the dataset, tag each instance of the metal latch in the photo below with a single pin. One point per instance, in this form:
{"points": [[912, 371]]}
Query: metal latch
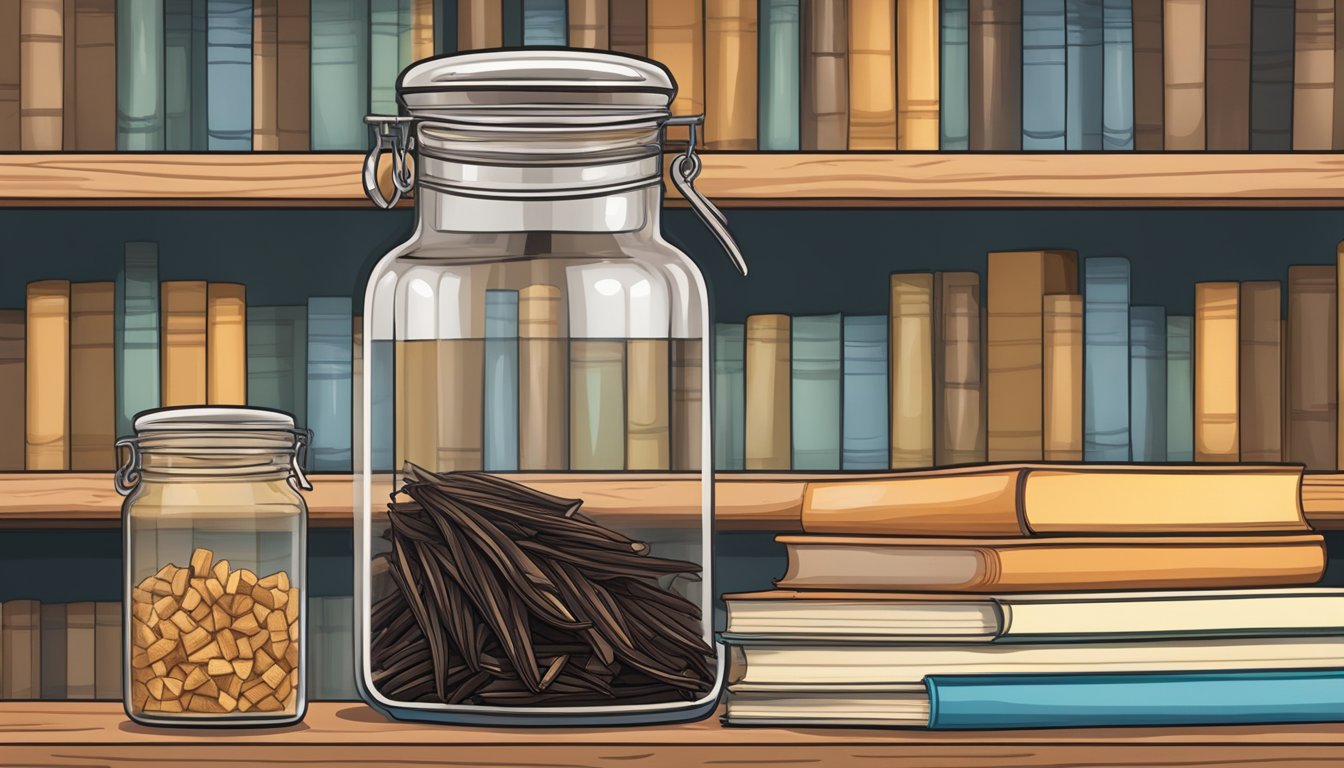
{"points": [[391, 133], [684, 170]]}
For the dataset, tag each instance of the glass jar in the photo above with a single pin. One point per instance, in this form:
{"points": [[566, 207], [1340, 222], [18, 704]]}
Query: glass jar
{"points": [[534, 537], [215, 537]]}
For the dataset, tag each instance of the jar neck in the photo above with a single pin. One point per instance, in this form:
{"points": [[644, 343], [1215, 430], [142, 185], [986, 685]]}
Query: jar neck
{"points": [[219, 458]]}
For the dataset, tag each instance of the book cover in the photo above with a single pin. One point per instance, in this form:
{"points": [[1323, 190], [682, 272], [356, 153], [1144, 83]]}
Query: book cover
{"points": [[226, 344], [730, 407], [912, 373], [53, 651], [647, 406], [1148, 383], [1117, 110], [864, 440], [779, 74], [544, 22], [13, 381], [183, 341], [954, 95], [330, 361], [293, 67], [597, 372], [676, 37], [1217, 364], [1312, 390], [958, 369], [1063, 372], [824, 125], [1085, 81], [768, 440], [92, 358], [501, 382], [10, 64], [1106, 358], [590, 23], [687, 404], [1183, 64], [1271, 75], [1313, 74], [730, 74], [542, 361], [384, 55], [1180, 388], [48, 375], [140, 75], [80, 652], [1043, 75], [21, 646], [816, 392], [277, 360], [108, 658], [1229, 71], [136, 344], [995, 75], [90, 108], [630, 26], [41, 87], [229, 75], [480, 25], [179, 40], [340, 74], [1149, 89], [1260, 394], [917, 81], [265, 75]]}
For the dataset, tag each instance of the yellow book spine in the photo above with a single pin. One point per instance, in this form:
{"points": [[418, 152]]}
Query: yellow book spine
{"points": [[677, 39], [687, 403], [416, 403], [460, 375], [480, 24], [959, 384], [597, 404], [183, 308], [422, 29], [917, 79], [41, 73], [1063, 348], [48, 375], [92, 400], [1217, 308], [1183, 64], [872, 74], [769, 406], [647, 433], [226, 344], [265, 75], [911, 362], [731, 72], [1313, 74], [589, 25], [542, 364]]}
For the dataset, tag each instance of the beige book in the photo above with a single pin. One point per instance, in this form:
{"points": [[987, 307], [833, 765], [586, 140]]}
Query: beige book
{"points": [[265, 75], [12, 385], [542, 366], [824, 124], [1217, 323], [1313, 74], [1311, 368], [911, 365], [422, 29], [731, 72], [479, 25], [41, 67], [677, 39], [995, 63], [183, 320], [1183, 60], [226, 344], [588, 24], [107, 662], [48, 375], [917, 79], [79, 648], [687, 404], [959, 386], [90, 109], [1260, 396], [10, 59], [417, 404], [92, 363], [647, 431], [20, 649], [1339, 353], [1063, 372], [1018, 283], [872, 74], [460, 365], [769, 443], [597, 404]]}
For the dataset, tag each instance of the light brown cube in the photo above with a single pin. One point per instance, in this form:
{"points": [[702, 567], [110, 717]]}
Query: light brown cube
{"points": [[221, 572], [292, 655], [206, 653], [219, 667], [159, 649], [165, 606], [273, 676], [141, 635], [191, 599], [195, 639], [183, 621], [247, 625], [161, 587], [227, 645], [262, 659], [292, 606], [159, 668], [196, 677], [214, 589], [169, 630], [242, 668], [226, 702], [201, 560], [269, 704], [139, 694], [244, 647], [179, 582]]}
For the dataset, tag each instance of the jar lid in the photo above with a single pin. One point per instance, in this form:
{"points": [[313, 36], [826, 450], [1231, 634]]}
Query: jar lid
{"points": [[221, 417]]}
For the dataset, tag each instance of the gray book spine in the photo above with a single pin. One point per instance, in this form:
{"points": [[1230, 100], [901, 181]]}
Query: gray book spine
{"points": [[140, 79], [955, 76], [730, 396], [1148, 383], [1117, 111], [340, 74], [1106, 359], [1085, 69], [1044, 72], [136, 343], [816, 392]]}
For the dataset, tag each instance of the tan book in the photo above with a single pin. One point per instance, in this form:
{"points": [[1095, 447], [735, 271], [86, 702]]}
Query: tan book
{"points": [[1228, 71], [995, 62], [107, 661], [1149, 89], [1051, 564], [1337, 99], [911, 365], [460, 377], [10, 60], [1312, 377], [1063, 373], [1018, 283], [730, 74], [80, 650], [676, 38], [183, 321], [417, 403], [93, 421], [422, 29], [226, 344], [12, 386], [20, 649], [630, 26], [1260, 397], [1339, 354], [542, 365], [41, 86], [769, 443], [824, 124], [588, 24], [1217, 324], [1026, 500], [917, 79], [265, 75], [1313, 74], [959, 379], [687, 404], [48, 375], [872, 74], [90, 110], [1183, 65], [293, 68], [479, 25], [53, 653], [597, 404], [648, 435]]}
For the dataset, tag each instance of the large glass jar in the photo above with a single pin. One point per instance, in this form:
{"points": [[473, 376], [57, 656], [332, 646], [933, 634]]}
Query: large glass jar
{"points": [[214, 534], [534, 543]]}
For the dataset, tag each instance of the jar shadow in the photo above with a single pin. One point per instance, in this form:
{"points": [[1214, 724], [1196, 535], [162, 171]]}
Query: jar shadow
{"points": [[129, 726]]}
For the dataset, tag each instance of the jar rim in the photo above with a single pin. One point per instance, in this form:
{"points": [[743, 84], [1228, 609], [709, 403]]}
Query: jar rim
{"points": [[230, 418]]}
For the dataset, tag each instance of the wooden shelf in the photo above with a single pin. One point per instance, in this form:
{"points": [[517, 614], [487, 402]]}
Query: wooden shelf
{"points": [[750, 179], [350, 734]]}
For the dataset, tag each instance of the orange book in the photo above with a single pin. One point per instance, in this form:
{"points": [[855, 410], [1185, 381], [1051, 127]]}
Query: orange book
{"points": [[265, 75], [1217, 437], [422, 29], [182, 306], [543, 358], [12, 443], [588, 24], [917, 80], [1183, 64], [677, 39], [48, 375], [1063, 375], [41, 74], [730, 66], [872, 74], [226, 344], [93, 421], [1313, 74], [769, 442], [1260, 399], [480, 24]]}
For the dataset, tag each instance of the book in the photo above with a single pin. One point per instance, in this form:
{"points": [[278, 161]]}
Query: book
{"points": [[1313, 75], [1062, 428], [183, 341], [1148, 383], [768, 439], [597, 370], [647, 405], [1260, 390], [958, 369], [293, 33], [422, 21], [53, 652], [873, 90], [542, 360], [1117, 111], [10, 66], [824, 125], [912, 375], [229, 74], [1180, 388], [816, 396], [1217, 364], [479, 25], [381, 366], [1149, 89], [864, 441], [954, 86], [1183, 64], [416, 402], [277, 360], [1310, 427], [340, 654], [1050, 564], [179, 58], [265, 75], [340, 76], [1085, 80], [511, 23], [330, 360], [1043, 75], [93, 404], [543, 22], [21, 645], [200, 76], [140, 75], [1027, 500], [13, 381], [1228, 66], [1016, 284], [501, 437], [779, 73], [226, 344], [1337, 98], [48, 375], [731, 73], [1272, 75], [687, 404], [136, 344], [90, 68], [108, 658], [730, 396], [589, 24], [995, 59], [384, 55], [41, 94], [676, 37], [917, 81], [629, 26], [80, 682]]}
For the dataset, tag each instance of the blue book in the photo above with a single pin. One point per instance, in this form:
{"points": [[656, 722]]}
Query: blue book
{"points": [[199, 76], [958, 702], [229, 73], [1043, 74], [140, 78], [1148, 383], [544, 22], [1180, 389], [330, 377], [816, 392], [501, 381], [1272, 75], [384, 55], [1085, 69], [277, 360], [340, 73], [779, 75], [1117, 110], [136, 335], [177, 64], [511, 23], [405, 30], [865, 443], [730, 396], [1106, 359], [955, 80]]}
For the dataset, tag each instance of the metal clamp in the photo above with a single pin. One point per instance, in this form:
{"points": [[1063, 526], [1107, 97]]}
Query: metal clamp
{"points": [[391, 133], [685, 169], [302, 438], [128, 474]]}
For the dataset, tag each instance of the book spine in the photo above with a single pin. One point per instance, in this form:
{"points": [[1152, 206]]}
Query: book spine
{"points": [[541, 386], [341, 618], [768, 404], [917, 74], [200, 76], [422, 31], [183, 342], [1106, 375], [864, 432], [41, 86], [330, 361], [277, 359], [1339, 380], [996, 75], [687, 404], [590, 25], [1271, 75], [1117, 130], [954, 97], [48, 371], [136, 344], [676, 37], [1313, 74], [480, 25], [511, 23], [597, 404], [647, 405], [226, 344], [178, 39], [1183, 65], [10, 75], [406, 32], [107, 650], [729, 396], [501, 381], [1261, 386], [1337, 97], [90, 75], [544, 22], [1149, 91], [416, 414], [872, 74], [911, 359], [1043, 75], [816, 392], [12, 385], [1180, 389], [824, 125], [80, 651], [265, 75], [731, 74], [340, 75], [21, 668], [1085, 79], [293, 68], [1229, 72], [381, 366], [53, 651], [1148, 383], [69, 91], [1063, 371], [1216, 369], [959, 390], [92, 402], [140, 71], [384, 55], [1312, 376], [779, 74], [630, 24]]}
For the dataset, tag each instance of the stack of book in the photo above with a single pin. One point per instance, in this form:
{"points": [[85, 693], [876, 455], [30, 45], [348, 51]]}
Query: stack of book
{"points": [[1044, 596]]}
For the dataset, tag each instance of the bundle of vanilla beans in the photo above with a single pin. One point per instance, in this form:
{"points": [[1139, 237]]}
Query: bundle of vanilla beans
{"points": [[506, 596]]}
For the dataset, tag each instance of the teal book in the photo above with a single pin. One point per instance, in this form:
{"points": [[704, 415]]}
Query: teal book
{"points": [[816, 392], [779, 75], [1106, 359], [405, 30], [864, 437], [1043, 75], [501, 382], [1255, 697], [1148, 383], [1117, 109], [330, 375], [511, 23], [544, 22], [340, 74], [730, 396], [445, 26], [1180, 388], [140, 80], [277, 360], [384, 54], [229, 75], [379, 366], [177, 64], [1085, 74], [1272, 26], [954, 75], [199, 75], [136, 335]]}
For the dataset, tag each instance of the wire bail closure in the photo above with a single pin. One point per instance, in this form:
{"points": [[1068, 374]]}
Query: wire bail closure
{"points": [[391, 133], [684, 170]]}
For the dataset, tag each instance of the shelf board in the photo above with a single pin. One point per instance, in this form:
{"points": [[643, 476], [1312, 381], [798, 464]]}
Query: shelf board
{"points": [[351, 734], [735, 179]]}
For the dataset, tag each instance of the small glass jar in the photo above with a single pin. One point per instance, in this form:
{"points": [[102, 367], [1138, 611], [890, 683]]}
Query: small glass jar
{"points": [[214, 550]]}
